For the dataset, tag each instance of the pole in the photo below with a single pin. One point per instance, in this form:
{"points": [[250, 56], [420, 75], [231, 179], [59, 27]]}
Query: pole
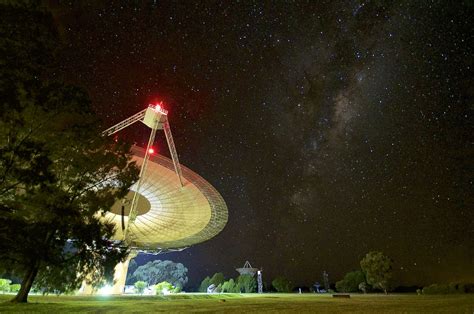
{"points": [[133, 212]]}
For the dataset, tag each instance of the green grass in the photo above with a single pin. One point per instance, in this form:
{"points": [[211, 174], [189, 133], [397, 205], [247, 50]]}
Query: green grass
{"points": [[245, 303]]}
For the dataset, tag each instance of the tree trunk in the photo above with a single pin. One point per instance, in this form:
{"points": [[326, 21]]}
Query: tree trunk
{"points": [[27, 282]]}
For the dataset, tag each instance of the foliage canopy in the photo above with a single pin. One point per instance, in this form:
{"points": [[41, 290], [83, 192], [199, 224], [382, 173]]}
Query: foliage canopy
{"points": [[164, 287], [281, 284], [247, 283], [230, 286], [140, 286], [378, 270], [58, 175], [217, 279], [351, 282], [206, 282], [157, 271]]}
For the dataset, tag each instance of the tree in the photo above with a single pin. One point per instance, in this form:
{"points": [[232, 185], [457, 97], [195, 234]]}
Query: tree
{"points": [[132, 266], [206, 282], [341, 286], [58, 175], [217, 279], [281, 284], [230, 286], [140, 286], [164, 287], [158, 271], [5, 285], [351, 281], [378, 270], [246, 283]]}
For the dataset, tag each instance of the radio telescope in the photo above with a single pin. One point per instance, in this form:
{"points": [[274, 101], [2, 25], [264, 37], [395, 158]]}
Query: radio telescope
{"points": [[169, 208], [247, 269]]}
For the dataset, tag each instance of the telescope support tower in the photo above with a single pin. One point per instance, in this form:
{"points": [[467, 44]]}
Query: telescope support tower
{"points": [[155, 118]]}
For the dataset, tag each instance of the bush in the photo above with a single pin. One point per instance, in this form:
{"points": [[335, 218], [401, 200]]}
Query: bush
{"points": [[230, 286], [217, 279], [140, 286], [163, 288], [15, 287], [5, 285], [206, 282], [351, 281], [444, 288], [341, 286], [282, 284], [246, 283], [436, 289]]}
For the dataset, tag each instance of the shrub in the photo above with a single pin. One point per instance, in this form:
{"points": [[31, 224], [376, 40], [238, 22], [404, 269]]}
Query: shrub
{"points": [[246, 283], [230, 286], [436, 289], [217, 279], [163, 287], [351, 281], [5, 285], [341, 286], [281, 284], [206, 282], [15, 287], [444, 288], [140, 286]]}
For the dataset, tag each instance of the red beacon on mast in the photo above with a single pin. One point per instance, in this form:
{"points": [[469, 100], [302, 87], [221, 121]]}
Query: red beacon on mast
{"points": [[156, 118], [158, 108]]}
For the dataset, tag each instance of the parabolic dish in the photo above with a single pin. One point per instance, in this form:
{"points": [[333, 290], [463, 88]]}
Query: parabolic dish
{"points": [[170, 216]]}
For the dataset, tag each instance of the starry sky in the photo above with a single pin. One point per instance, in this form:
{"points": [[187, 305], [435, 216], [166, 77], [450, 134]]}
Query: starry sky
{"points": [[331, 128]]}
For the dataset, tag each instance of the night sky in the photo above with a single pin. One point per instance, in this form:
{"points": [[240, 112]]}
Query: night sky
{"points": [[330, 128]]}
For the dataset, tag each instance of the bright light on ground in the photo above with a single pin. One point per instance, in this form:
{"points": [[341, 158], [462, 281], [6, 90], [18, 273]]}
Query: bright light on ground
{"points": [[106, 290]]}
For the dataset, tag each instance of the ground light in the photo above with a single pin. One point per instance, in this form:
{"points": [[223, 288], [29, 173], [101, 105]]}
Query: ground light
{"points": [[105, 290]]}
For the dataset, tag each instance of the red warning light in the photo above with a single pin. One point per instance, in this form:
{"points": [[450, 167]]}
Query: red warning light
{"points": [[158, 107], [151, 151]]}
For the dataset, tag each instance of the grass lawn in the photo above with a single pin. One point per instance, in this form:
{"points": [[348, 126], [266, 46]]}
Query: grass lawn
{"points": [[244, 303]]}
